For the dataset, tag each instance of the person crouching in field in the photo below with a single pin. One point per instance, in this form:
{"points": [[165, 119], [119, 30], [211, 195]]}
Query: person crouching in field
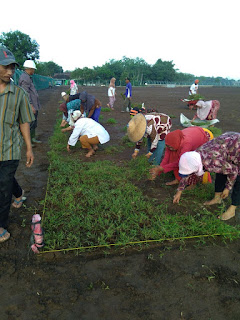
{"points": [[90, 106], [67, 109], [222, 156], [206, 110], [178, 142], [154, 127], [89, 132]]}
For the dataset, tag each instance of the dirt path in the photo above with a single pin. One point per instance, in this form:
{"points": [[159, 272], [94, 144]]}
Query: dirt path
{"points": [[167, 281]]}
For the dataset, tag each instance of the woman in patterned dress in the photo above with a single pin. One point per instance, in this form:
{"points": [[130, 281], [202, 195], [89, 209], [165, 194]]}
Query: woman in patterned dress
{"points": [[222, 156], [207, 110]]}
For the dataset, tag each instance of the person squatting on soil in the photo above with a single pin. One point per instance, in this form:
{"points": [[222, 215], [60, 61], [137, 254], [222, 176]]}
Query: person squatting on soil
{"points": [[206, 110], [73, 88], [89, 132], [128, 96], [222, 156], [90, 106], [26, 82], [178, 142], [15, 116], [154, 127], [111, 93]]}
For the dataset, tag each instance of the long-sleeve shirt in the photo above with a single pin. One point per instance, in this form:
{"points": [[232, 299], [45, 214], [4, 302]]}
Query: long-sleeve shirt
{"points": [[128, 91], [193, 138], [90, 128], [158, 126], [220, 155], [26, 82]]}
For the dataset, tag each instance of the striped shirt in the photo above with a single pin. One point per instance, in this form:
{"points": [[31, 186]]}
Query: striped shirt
{"points": [[15, 109]]}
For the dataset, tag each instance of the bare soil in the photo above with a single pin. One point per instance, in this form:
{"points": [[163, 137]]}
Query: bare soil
{"points": [[166, 281]]}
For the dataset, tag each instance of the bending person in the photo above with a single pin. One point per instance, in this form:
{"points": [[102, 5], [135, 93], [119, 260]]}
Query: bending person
{"points": [[67, 109], [88, 132], [90, 106], [206, 110], [178, 142], [222, 156], [154, 127]]}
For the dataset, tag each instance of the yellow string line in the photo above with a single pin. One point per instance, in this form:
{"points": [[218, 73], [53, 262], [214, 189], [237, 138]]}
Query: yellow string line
{"points": [[137, 242]]}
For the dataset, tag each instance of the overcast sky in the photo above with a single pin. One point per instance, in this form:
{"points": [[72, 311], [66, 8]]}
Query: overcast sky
{"points": [[200, 37]]}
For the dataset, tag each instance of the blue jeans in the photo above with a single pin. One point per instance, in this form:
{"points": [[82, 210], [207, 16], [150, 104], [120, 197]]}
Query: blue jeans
{"points": [[8, 187], [156, 157]]}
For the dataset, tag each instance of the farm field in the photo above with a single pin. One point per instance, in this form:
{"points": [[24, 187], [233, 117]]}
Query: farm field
{"points": [[195, 279]]}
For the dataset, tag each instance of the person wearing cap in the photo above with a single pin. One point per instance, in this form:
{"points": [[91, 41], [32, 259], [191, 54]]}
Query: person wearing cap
{"points": [[194, 88], [178, 142], [89, 132], [26, 82], [154, 127], [222, 156], [128, 96], [90, 106], [15, 116], [206, 110]]}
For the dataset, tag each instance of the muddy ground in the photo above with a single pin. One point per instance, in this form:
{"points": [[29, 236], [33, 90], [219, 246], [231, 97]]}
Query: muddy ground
{"points": [[166, 281]]}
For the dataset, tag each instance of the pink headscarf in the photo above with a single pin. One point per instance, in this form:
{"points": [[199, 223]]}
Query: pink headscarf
{"points": [[72, 83], [191, 162]]}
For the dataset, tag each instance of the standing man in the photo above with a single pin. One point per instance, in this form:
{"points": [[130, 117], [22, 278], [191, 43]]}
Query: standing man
{"points": [[15, 116], [128, 96], [194, 88], [26, 82]]}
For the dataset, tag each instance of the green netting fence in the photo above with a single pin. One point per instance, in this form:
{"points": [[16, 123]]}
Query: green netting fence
{"points": [[40, 82]]}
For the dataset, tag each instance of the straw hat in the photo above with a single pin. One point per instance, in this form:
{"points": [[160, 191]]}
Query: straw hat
{"points": [[136, 127]]}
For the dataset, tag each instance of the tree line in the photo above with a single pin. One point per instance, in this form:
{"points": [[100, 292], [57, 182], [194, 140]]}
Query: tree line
{"points": [[138, 70]]}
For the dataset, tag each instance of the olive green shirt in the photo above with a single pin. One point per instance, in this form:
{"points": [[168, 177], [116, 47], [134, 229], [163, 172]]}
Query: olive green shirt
{"points": [[15, 109]]}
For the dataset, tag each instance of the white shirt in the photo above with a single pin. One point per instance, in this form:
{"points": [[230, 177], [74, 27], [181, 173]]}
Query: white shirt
{"points": [[193, 89], [203, 109], [73, 90], [111, 92], [90, 128]]}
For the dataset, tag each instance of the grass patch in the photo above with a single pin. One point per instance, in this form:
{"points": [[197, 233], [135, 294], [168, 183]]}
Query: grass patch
{"points": [[112, 121], [98, 203], [215, 131], [105, 109]]}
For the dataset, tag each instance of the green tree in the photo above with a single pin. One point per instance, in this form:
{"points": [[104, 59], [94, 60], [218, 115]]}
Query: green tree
{"points": [[21, 46], [48, 68], [77, 74], [163, 71]]}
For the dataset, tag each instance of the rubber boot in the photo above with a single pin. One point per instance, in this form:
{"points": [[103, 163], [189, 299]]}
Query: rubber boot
{"points": [[33, 137]]}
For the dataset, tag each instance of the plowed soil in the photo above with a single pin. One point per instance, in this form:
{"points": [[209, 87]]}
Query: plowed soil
{"points": [[165, 281]]}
